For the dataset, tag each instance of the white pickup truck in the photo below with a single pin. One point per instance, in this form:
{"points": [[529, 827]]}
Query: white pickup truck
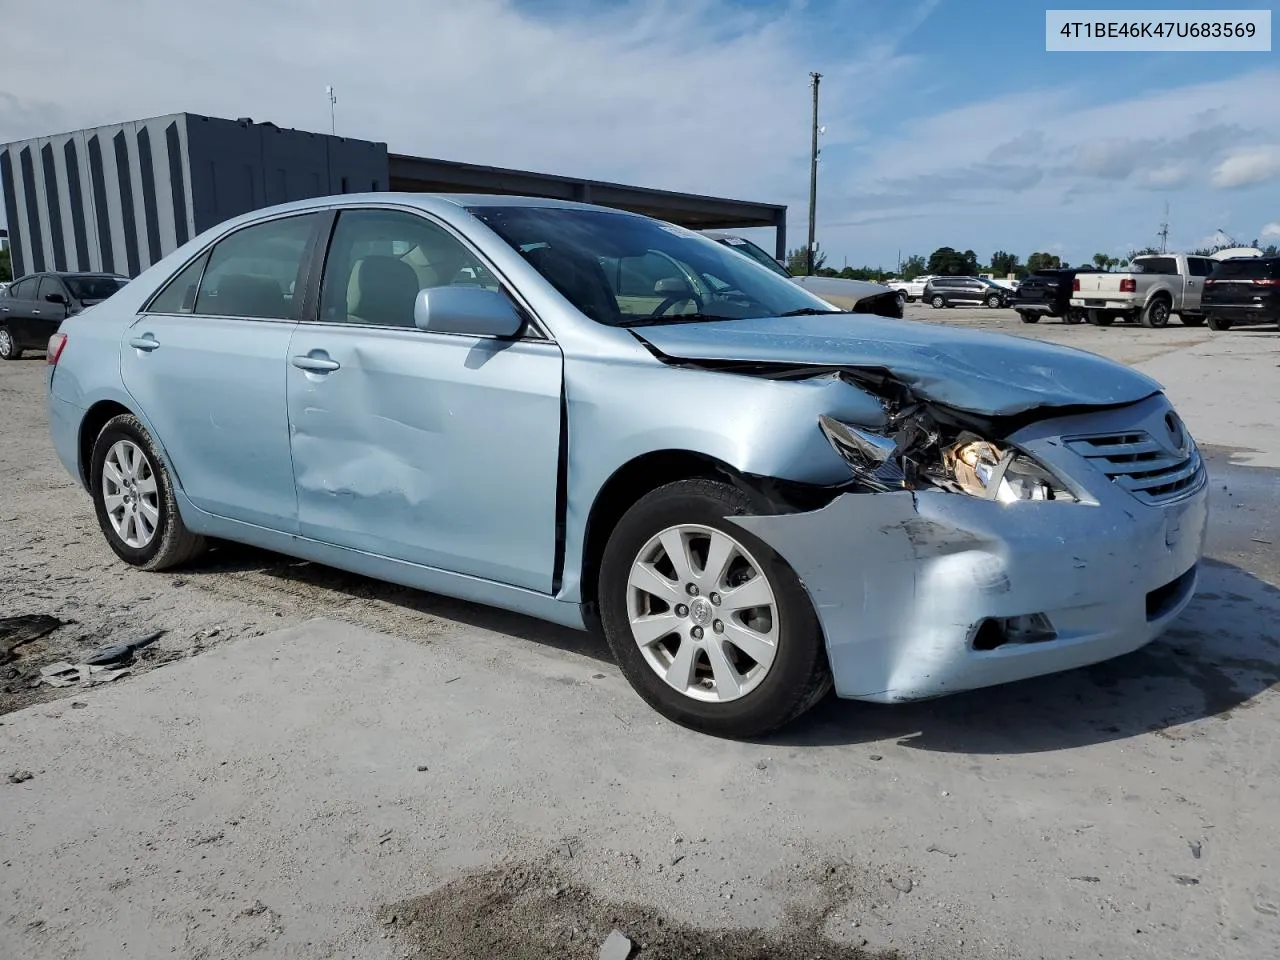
{"points": [[1151, 289], [914, 289]]}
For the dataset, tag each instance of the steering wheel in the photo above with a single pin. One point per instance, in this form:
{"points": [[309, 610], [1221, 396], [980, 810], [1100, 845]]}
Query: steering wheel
{"points": [[672, 300]]}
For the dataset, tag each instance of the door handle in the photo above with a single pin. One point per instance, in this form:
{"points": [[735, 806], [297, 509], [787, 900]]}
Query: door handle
{"points": [[315, 364], [147, 343], [35, 313]]}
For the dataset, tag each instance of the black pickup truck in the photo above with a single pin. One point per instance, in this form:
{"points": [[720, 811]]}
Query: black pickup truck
{"points": [[32, 308], [1047, 293]]}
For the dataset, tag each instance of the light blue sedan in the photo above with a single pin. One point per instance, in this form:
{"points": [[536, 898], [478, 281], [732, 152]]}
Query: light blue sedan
{"points": [[600, 419]]}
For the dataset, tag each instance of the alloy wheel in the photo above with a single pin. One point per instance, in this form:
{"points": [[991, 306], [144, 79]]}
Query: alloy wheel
{"points": [[703, 613], [130, 494]]}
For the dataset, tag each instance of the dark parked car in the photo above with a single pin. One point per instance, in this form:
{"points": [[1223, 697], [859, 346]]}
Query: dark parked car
{"points": [[32, 308], [966, 291], [1242, 290], [1047, 293]]}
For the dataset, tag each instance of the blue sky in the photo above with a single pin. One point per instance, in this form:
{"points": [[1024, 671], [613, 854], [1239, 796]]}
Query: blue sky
{"points": [[947, 122]]}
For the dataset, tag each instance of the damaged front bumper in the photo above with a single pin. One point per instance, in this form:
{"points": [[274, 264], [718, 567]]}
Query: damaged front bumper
{"points": [[926, 593]]}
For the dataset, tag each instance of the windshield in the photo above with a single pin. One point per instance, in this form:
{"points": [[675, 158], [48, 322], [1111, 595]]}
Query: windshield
{"points": [[625, 270], [755, 253], [93, 288]]}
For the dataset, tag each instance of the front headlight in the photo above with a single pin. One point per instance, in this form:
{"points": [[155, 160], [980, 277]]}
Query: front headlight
{"points": [[982, 469], [914, 458]]}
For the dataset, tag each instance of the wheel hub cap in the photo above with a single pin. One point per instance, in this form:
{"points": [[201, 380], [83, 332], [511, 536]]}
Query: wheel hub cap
{"points": [[700, 612]]}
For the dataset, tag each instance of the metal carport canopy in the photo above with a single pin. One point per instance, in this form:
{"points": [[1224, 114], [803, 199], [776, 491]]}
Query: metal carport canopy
{"points": [[424, 175]]}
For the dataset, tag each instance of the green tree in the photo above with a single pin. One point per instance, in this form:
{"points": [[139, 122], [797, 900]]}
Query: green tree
{"points": [[949, 262], [1101, 260], [1003, 263], [798, 260], [913, 267], [6, 266], [1144, 252], [1043, 261]]}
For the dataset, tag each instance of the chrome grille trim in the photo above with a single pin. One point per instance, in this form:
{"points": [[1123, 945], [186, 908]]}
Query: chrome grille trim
{"points": [[1135, 462]]}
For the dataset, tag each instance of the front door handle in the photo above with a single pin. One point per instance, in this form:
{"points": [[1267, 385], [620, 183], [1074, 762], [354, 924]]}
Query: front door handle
{"points": [[147, 343], [315, 364]]}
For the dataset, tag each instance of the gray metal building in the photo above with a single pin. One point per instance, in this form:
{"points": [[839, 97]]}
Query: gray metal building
{"points": [[120, 197]]}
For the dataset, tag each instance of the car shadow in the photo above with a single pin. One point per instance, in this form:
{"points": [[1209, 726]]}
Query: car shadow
{"points": [[1221, 654], [237, 558]]}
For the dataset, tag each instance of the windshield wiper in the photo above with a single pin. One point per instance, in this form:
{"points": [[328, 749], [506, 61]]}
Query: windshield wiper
{"points": [[812, 312]]}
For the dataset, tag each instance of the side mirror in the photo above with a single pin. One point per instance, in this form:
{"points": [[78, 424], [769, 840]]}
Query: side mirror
{"points": [[476, 311], [56, 298]]}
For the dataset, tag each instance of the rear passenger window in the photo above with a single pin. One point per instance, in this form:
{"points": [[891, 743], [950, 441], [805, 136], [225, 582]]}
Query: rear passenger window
{"points": [[1199, 266], [256, 272], [180, 295]]}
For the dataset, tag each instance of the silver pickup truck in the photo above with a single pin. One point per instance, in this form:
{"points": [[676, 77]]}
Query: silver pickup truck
{"points": [[1153, 287]]}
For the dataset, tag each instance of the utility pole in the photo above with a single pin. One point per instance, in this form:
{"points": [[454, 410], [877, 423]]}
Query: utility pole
{"points": [[1164, 230], [813, 173], [333, 99]]}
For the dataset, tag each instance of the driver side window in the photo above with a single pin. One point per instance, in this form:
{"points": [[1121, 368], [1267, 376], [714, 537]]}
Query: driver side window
{"points": [[380, 259]]}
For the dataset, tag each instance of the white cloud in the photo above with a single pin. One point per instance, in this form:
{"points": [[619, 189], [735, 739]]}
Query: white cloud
{"points": [[1245, 167], [1271, 230], [698, 95]]}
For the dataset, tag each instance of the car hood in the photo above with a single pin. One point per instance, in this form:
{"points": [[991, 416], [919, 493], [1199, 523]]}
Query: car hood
{"points": [[840, 287], [991, 374]]}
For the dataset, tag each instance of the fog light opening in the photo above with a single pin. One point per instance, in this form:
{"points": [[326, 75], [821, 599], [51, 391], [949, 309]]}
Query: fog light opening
{"points": [[997, 632]]}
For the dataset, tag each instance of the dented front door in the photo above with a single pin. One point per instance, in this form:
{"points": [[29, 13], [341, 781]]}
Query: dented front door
{"points": [[437, 449]]}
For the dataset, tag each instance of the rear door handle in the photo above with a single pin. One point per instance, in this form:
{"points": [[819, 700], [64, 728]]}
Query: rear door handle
{"points": [[147, 343], [315, 364]]}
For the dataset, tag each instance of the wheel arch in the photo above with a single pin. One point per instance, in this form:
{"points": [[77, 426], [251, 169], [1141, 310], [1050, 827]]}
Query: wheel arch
{"points": [[95, 418], [628, 484]]}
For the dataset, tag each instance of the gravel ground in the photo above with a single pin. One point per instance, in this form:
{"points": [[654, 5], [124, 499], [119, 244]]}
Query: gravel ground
{"points": [[1122, 810]]}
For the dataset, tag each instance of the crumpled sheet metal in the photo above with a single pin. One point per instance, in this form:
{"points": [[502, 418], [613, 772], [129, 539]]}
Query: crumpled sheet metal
{"points": [[900, 582]]}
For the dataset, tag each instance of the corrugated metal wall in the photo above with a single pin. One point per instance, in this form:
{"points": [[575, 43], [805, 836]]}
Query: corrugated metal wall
{"points": [[121, 197], [113, 198]]}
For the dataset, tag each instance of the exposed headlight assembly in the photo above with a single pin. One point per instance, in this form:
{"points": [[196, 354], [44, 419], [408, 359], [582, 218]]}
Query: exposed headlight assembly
{"points": [[983, 469], [969, 465]]}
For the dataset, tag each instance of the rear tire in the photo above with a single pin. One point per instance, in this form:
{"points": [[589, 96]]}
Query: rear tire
{"points": [[9, 348], [1074, 315], [797, 675], [1156, 313], [937, 303], [1029, 317], [1191, 319], [1101, 319], [156, 538], [1219, 323]]}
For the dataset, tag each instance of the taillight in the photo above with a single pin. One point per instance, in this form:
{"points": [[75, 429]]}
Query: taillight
{"points": [[57, 343], [1274, 282], [1075, 285], [1128, 285]]}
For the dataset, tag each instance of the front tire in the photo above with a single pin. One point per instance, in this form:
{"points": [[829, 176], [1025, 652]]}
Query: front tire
{"points": [[707, 622], [134, 500], [994, 302], [9, 348]]}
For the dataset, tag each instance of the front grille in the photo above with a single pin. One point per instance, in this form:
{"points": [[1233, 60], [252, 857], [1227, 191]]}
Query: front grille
{"points": [[1140, 465]]}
